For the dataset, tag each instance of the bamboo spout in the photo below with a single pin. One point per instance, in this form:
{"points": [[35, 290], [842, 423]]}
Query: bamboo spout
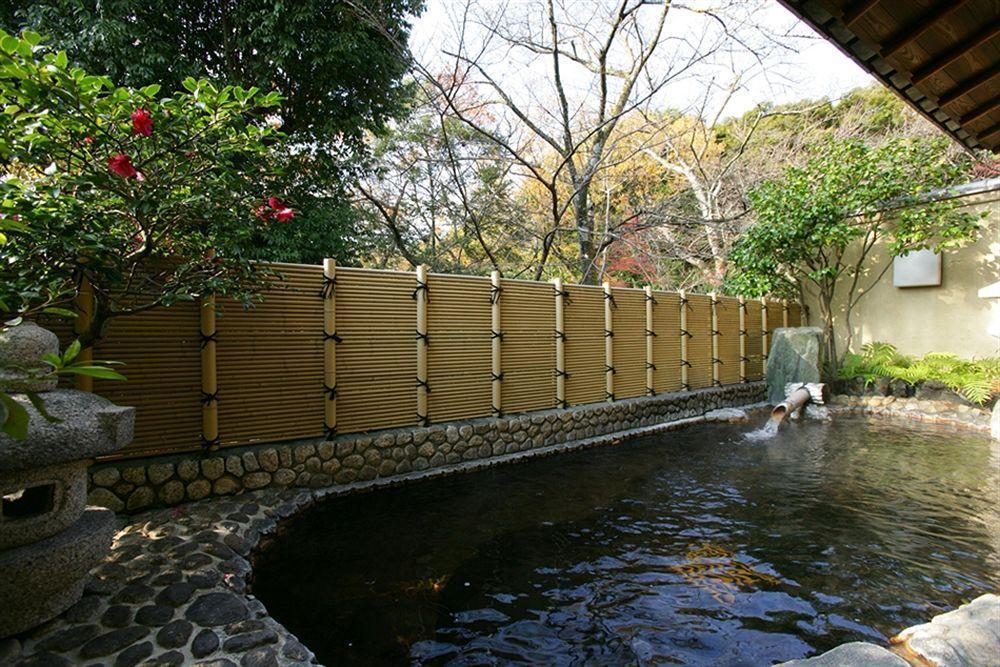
{"points": [[796, 396]]}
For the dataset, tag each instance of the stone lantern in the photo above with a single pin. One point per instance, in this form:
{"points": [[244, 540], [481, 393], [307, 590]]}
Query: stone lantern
{"points": [[49, 538]]}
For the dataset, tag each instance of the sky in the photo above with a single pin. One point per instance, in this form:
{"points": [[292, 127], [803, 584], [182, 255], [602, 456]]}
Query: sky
{"points": [[809, 66]]}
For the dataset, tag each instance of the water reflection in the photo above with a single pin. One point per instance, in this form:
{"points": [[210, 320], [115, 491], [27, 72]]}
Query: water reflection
{"points": [[696, 547]]}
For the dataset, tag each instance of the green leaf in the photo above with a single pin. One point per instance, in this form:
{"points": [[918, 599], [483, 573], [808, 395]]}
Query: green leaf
{"points": [[39, 405], [15, 423], [72, 351], [63, 312], [99, 372]]}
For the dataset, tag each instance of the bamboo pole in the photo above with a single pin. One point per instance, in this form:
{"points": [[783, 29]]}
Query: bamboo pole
{"points": [[422, 341], [496, 338], [763, 332], [650, 333], [557, 285], [330, 340], [684, 342], [715, 340], [743, 339], [784, 313], [609, 344], [209, 376], [85, 315]]}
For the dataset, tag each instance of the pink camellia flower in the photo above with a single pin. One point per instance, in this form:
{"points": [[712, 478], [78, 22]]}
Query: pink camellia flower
{"points": [[88, 139], [121, 165], [142, 123], [284, 215], [275, 203], [263, 212]]}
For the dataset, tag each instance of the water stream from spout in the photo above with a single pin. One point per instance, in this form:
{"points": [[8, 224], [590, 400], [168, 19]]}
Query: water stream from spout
{"points": [[765, 432]]}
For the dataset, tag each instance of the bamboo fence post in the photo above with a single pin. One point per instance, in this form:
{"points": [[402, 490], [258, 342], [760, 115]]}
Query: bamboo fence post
{"points": [[715, 340], [560, 334], [650, 333], [330, 340], [685, 364], [784, 313], [743, 339], [209, 375], [763, 332], [496, 338], [423, 388], [85, 315], [609, 344]]}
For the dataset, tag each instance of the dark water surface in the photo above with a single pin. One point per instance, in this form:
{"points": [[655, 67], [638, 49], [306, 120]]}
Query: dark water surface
{"points": [[694, 547]]}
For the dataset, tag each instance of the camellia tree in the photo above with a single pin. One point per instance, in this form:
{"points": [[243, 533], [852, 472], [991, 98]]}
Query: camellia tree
{"points": [[818, 226], [149, 200]]}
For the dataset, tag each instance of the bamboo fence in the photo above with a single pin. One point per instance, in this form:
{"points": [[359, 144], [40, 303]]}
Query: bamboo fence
{"points": [[344, 350]]}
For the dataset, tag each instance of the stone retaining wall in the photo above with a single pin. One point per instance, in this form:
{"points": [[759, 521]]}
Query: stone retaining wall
{"points": [[947, 412], [171, 480]]}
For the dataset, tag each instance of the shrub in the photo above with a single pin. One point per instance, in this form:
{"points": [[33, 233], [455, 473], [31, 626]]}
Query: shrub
{"points": [[148, 198], [976, 380]]}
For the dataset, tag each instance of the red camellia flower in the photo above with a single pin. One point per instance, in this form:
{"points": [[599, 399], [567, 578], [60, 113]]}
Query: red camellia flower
{"points": [[142, 123], [121, 165], [88, 139], [275, 209]]}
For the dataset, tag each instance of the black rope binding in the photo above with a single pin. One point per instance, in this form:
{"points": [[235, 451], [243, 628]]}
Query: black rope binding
{"points": [[743, 307], [685, 362], [650, 391], [562, 374], [608, 296], [610, 369], [329, 287], [746, 359], [743, 332], [210, 445], [685, 301], [208, 338], [423, 383], [650, 332], [424, 337], [331, 392], [650, 367], [332, 336], [650, 297], [609, 395], [421, 286], [497, 412], [208, 399], [423, 420], [497, 376], [685, 332], [495, 293], [716, 332], [560, 292], [716, 383], [718, 361], [329, 432], [496, 334], [608, 333], [561, 335], [561, 403], [686, 387]]}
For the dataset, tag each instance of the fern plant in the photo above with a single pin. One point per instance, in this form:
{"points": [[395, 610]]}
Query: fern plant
{"points": [[977, 380]]}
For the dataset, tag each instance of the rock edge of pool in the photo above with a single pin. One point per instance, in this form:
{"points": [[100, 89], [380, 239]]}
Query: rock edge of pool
{"points": [[174, 589]]}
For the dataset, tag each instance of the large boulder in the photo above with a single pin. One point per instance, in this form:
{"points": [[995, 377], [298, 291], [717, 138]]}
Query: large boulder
{"points": [[794, 357], [969, 635]]}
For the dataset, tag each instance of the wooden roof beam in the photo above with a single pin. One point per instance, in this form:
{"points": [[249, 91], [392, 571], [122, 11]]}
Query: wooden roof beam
{"points": [[989, 132], [968, 85], [857, 11], [938, 63], [979, 112], [919, 27]]}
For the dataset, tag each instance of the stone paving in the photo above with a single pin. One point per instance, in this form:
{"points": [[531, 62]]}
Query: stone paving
{"points": [[947, 412]]}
